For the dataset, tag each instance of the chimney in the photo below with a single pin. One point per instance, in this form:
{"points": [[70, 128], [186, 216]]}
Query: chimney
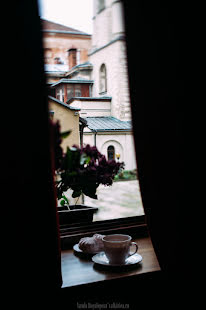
{"points": [[72, 57]]}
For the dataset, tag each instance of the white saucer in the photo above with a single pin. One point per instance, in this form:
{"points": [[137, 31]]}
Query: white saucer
{"points": [[78, 250], [101, 259]]}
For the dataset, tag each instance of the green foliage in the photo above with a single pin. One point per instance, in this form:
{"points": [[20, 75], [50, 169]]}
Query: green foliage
{"points": [[126, 175], [64, 201]]}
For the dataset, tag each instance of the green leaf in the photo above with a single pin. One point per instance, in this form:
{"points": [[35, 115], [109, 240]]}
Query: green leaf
{"points": [[65, 134], [65, 199], [62, 202], [84, 159]]}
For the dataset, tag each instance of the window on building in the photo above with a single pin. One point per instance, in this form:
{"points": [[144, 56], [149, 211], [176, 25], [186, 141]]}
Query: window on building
{"points": [[111, 152], [78, 91], [60, 93], [70, 91], [72, 57], [102, 79]]}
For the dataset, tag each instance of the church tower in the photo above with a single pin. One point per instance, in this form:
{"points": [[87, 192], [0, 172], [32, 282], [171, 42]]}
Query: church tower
{"points": [[108, 56]]}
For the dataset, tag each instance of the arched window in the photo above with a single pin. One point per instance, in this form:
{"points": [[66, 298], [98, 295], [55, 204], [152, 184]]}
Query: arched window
{"points": [[110, 152], [102, 79]]}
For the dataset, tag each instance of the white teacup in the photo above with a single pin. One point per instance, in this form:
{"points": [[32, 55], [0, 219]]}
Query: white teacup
{"points": [[117, 248]]}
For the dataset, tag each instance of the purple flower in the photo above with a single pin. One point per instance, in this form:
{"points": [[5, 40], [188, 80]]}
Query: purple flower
{"points": [[83, 169]]}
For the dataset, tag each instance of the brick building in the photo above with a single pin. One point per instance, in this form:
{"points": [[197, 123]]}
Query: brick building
{"points": [[64, 48]]}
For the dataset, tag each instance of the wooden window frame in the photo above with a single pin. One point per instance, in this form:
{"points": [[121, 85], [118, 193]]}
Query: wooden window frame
{"points": [[70, 234]]}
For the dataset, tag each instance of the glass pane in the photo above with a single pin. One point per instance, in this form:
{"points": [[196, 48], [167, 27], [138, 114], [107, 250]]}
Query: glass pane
{"points": [[70, 92], [110, 152], [102, 67], [77, 91]]}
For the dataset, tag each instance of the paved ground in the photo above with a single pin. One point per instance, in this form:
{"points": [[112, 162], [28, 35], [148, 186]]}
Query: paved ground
{"points": [[122, 199]]}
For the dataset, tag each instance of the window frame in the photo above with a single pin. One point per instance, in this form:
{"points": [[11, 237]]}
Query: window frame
{"points": [[70, 87], [77, 90], [60, 92], [72, 233], [110, 149]]}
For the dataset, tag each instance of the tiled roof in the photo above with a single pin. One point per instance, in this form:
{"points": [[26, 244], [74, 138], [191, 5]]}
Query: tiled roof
{"points": [[83, 65], [55, 27], [108, 124]]}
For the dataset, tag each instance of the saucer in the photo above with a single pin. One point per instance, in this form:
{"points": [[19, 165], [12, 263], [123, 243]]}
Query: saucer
{"points": [[101, 259], [78, 250]]}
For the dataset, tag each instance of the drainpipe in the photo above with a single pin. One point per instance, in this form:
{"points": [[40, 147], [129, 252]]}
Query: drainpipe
{"points": [[95, 137], [81, 135], [82, 125]]}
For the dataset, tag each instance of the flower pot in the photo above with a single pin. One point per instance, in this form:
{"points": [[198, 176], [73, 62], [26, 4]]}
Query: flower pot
{"points": [[76, 214]]}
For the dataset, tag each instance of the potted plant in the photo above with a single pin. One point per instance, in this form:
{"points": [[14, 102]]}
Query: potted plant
{"points": [[81, 169]]}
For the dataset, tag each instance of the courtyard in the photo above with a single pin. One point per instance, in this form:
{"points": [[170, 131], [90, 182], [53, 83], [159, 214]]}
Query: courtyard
{"points": [[122, 199]]}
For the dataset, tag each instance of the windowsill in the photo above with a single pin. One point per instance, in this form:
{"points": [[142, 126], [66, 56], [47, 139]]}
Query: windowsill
{"points": [[79, 271]]}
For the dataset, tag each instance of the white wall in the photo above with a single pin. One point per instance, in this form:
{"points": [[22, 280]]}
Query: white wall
{"points": [[115, 59], [92, 108], [118, 26], [123, 144], [102, 25], [107, 24]]}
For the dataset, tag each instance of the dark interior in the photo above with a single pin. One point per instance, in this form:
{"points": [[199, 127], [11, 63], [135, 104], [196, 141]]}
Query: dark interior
{"points": [[164, 56]]}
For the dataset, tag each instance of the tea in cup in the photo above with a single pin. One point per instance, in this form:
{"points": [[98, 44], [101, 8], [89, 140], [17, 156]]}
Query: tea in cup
{"points": [[117, 248]]}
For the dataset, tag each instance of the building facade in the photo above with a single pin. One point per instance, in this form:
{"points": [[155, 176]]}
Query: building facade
{"points": [[68, 118], [97, 87], [64, 48], [108, 56]]}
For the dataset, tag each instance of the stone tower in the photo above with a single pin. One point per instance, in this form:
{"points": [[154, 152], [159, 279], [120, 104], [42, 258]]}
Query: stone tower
{"points": [[108, 56]]}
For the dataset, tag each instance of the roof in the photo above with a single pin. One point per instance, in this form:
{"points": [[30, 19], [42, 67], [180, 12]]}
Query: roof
{"points": [[109, 123], [84, 64], [72, 81], [103, 98], [49, 26], [63, 104]]}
